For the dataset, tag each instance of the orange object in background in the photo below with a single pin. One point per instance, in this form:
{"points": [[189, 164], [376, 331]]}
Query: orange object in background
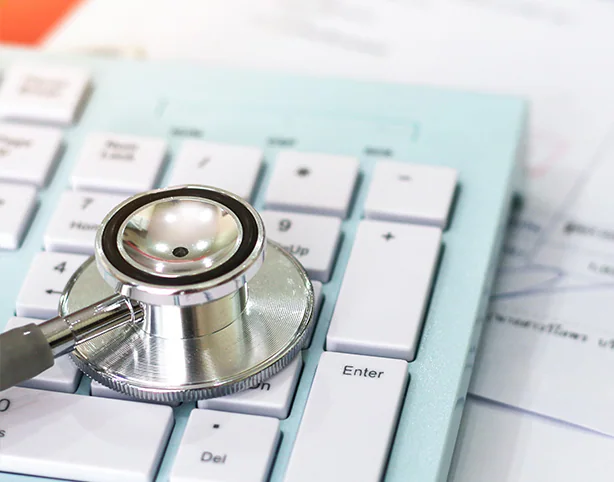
{"points": [[28, 21]]}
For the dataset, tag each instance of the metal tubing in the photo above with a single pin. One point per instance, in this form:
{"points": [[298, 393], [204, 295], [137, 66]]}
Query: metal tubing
{"points": [[65, 333]]}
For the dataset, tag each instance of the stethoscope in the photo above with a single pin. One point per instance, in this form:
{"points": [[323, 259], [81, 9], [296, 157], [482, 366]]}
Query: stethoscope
{"points": [[184, 299]]}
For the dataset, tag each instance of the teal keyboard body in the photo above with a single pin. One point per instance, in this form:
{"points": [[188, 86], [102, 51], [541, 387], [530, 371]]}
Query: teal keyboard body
{"points": [[481, 136]]}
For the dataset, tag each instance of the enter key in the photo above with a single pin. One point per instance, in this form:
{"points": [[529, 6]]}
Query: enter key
{"points": [[349, 420]]}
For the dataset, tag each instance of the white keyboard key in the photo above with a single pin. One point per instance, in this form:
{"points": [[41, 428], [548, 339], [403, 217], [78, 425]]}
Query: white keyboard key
{"points": [[349, 420], [49, 94], [73, 437], [271, 398], [312, 183], [317, 294], [234, 168], [28, 153], [395, 264], [226, 447], [41, 290], [63, 376], [75, 221], [118, 162], [312, 240], [100, 390], [17, 205], [411, 193]]}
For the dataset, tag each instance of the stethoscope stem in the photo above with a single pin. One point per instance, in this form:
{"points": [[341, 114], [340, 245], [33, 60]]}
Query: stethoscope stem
{"points": [[65, 333], [29, 350]]}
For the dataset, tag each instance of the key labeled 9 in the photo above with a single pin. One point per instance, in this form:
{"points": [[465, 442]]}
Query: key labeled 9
{"points": [[285, 225]]}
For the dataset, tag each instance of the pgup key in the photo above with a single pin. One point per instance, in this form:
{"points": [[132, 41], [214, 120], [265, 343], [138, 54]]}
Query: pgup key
{"points": [[313, 240]]}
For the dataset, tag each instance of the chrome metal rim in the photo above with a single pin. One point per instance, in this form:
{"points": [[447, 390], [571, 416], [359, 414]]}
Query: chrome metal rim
{"points": [[144, 286]]}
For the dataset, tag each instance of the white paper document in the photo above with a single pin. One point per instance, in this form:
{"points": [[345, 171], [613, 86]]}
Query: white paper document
{"points": [[549, 342], [500, 444]]}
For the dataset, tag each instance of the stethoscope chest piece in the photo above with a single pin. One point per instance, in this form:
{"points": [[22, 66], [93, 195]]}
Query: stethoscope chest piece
{"points": [[223, 308]]}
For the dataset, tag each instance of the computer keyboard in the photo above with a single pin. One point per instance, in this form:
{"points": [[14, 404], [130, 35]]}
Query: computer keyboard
{"points": [[364, 183]]}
